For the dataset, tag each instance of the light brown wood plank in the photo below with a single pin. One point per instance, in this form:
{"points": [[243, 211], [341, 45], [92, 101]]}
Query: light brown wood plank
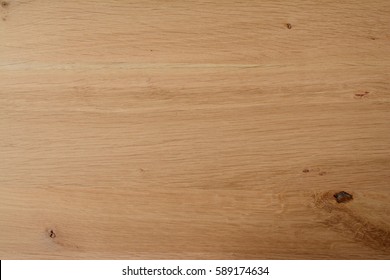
{"points": [[194, 129]]}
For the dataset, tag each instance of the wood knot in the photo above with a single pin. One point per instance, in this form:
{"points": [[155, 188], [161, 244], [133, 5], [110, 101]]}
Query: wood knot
{"points": [[288, 25], [4, 4], [361, 94], [342, 197], [52, 234]]}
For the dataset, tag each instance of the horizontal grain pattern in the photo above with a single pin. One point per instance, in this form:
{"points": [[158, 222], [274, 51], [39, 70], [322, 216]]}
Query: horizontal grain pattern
{"points": [[195, 129], [230, 40]]}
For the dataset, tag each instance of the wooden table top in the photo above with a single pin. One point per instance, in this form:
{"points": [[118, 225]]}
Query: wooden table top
{"points": [[194, 129]]}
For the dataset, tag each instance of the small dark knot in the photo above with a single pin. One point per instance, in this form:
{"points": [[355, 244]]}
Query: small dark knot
{"points": [[342, 197], [52, 234]]}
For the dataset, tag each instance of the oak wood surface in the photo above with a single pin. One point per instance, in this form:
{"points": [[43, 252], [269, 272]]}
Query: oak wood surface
{"points": [[194, 129]]}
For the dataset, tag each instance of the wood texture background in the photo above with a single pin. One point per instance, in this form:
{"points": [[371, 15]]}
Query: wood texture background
{"points": [[194, 129]]}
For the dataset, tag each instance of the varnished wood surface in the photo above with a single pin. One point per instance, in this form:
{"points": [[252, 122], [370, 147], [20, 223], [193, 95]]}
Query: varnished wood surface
{"points": [[194, 129]]}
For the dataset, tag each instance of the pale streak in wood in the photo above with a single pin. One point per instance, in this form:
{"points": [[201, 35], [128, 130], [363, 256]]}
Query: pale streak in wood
{"points": [[180, 129]]}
